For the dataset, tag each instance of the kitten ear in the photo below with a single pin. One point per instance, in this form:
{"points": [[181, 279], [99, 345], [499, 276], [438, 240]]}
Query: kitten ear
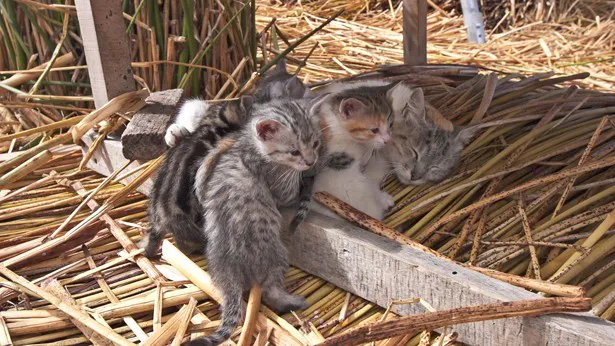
{"points": [[246, 102], [399, 95], [267, 129], [281, 65], [416, 100], [352, 107], [465, 134], [296, 89], [415, 108], [317, 102]]}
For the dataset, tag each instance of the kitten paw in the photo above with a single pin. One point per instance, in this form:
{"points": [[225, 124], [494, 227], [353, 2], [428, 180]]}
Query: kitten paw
{"points": [[150, 247], [387, 200], [294, 303], [174, 134], [284, 302]]}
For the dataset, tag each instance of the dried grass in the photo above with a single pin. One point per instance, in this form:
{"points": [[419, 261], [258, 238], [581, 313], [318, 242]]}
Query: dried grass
{"points": [[540, 137]]}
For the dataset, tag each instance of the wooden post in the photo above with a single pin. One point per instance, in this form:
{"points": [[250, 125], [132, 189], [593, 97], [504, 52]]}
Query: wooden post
{"points": [[415, 32], [107, 49]]}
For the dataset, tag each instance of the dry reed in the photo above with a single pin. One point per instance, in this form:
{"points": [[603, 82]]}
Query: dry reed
{"points": [[571, 151]]}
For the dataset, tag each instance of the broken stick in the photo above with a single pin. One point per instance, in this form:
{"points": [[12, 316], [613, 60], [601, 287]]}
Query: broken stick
{"points": [[433, 320]]}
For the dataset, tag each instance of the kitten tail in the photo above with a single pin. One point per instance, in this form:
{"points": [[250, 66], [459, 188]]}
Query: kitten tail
{"points": [[231, 317]]}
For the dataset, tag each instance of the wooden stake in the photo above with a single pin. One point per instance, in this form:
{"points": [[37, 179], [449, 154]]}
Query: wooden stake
{"points": [[415, 32], [107, 48]]}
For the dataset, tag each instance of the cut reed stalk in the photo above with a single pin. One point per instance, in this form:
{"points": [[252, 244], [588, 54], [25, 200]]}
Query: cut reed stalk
{"points": [[434, 320]]}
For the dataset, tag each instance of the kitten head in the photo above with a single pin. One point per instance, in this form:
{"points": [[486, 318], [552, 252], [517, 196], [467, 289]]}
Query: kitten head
{"points": [[364, 113], [426, 147], [278, 83], [286, 133]]}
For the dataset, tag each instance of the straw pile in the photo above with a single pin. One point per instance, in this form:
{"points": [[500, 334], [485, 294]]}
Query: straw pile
{"points": [[534, 196]]}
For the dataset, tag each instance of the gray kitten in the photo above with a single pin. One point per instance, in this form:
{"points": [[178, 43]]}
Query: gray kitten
{"points": [[241, 195], [198, 127], [426, 147]]}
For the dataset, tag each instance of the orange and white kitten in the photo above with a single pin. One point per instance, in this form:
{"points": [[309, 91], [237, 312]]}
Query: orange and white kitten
{"points": [[356, 119]]}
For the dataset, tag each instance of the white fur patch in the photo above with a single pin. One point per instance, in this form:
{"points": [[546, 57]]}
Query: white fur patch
{"points": [[187, 120], [174, 134]]}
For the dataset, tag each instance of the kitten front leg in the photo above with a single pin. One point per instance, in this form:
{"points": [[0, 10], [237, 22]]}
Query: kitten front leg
{"points": [[275, 295], [386, 200], [354, 188], [174, 134], [187, 120]]}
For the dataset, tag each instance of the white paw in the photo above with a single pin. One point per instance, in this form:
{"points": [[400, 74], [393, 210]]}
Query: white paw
{"points": [[174, 134], [387, 200]]}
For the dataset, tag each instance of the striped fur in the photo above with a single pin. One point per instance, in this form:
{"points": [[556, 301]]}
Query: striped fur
{"points": [[198, 127], [241, 198]]}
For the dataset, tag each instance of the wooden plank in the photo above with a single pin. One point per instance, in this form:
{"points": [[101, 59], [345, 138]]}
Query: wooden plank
{"points": [[379, 270], [107, 48], [143, 138], [415, 32]]}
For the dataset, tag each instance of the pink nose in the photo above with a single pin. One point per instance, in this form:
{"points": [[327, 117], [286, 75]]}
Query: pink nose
{"points": [[386, 138]]}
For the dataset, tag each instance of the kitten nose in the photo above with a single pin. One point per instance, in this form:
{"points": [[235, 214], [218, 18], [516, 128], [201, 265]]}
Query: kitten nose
{"points": [[386, 138]]}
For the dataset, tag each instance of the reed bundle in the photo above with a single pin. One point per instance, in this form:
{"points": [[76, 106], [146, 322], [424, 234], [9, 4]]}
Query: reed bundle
{"points": [[533, 198]]}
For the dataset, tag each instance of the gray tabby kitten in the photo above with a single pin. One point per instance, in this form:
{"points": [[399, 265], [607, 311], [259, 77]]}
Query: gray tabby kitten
{"points": [[241, 196], [426, 147], [198, 127]]}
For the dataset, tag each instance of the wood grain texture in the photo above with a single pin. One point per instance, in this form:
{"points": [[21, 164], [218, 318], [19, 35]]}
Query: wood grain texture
{"points": [[380, 270], [107, 49], [415, 32], [143, 138]]}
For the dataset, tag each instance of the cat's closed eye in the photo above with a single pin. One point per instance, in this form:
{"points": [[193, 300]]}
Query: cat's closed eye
{"points": [[295, 153], [375, 130]]}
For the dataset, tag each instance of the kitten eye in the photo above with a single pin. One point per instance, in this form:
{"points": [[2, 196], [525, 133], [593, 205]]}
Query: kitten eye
{"points": [[295, 153], [376, 130], [316, 144]]}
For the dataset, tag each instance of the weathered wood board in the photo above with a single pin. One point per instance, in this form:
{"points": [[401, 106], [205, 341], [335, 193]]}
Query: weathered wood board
{"points": [[379, 270], [106, 47]]}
